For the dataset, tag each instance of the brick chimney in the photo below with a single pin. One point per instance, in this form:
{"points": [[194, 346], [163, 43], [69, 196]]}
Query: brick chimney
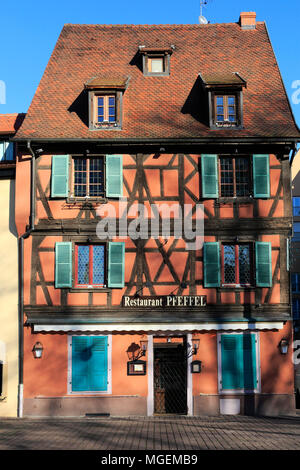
{"points": [[248, 20]]}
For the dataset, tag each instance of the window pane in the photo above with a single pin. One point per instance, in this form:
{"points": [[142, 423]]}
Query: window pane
{"points": [[296, 206], [80, 186], [98, 264], [229, 264], [96, 177], [156, 65], [220, 100], [242, 176], [244, 264], [226, 177], [83, 264], [231, 100]]}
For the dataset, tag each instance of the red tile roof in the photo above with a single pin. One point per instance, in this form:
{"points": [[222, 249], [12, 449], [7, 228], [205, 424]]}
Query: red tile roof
{"points": [[159, 107], [10, 123]]}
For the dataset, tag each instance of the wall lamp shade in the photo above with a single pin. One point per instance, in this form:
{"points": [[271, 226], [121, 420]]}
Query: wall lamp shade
{"points": [[283, 346], [135, 351], [38, 350]]}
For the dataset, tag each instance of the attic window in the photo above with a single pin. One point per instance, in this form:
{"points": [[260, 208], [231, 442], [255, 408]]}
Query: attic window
{"points": [[156, 61], [105, 102], [225, 98]]}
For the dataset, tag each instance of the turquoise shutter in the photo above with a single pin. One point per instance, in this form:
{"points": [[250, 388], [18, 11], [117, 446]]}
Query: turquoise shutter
{"points": [[209, 176], [116, 264], [63, 264], [6, 151], [238, 354], [211, 264], [261, 176], [80, 357], [263, 262], [114, 175], [60, 176], [232, 362], [89, 364]]}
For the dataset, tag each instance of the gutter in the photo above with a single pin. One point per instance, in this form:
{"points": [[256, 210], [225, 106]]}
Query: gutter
{"points": [[21, 239]]}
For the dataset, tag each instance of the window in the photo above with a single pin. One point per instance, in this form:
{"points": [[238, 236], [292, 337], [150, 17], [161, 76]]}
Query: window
{"points": [[93, 177], [296, 283], [155, 64], [7, 152], [90, 364], [225, 108], [90, 265], [88, 177], [156, 61], [237, 264], [95, 265], [238, 362], [296, 309], [235, 176], [105, 109], [296, 206]]}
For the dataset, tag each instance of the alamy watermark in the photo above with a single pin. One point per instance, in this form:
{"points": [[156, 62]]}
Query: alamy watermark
{"points": [[296, 94], [2, 92], [156, 220]]}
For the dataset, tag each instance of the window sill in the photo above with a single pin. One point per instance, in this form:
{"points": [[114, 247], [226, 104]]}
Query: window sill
{"points": [[236, 287], [89, 289], [86, 200], [106, 127], [230, 200], [230, 126]]}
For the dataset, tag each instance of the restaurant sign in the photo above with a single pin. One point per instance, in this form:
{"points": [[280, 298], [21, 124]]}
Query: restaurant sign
{"points": [[187, 301]]}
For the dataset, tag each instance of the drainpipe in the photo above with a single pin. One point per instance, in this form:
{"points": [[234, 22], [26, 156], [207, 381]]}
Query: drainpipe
{"points": [[21, 280]]}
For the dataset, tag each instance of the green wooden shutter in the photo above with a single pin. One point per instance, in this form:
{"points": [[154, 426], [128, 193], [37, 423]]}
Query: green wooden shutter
{"points": [[63, 264], [232, 362], [114, 175], [261, 176], [116, 264], [211, 264], [238, 356], [89, 363], [209, 176], [60, 176], [263, 259]]}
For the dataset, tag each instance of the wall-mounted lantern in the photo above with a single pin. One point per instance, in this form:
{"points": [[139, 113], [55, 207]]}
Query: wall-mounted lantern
{"points": [[196, 367], [135, 351], [38, 350], [283, 346]]}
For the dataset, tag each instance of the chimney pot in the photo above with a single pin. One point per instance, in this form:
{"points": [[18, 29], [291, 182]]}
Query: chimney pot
{"points": [[248, 20]]}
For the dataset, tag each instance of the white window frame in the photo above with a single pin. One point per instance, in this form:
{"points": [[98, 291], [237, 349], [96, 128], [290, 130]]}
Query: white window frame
{"points": [[239, 391], [109, 367]]}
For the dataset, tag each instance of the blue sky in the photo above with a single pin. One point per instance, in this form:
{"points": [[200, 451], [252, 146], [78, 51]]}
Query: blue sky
{"points": [[30, 28]]}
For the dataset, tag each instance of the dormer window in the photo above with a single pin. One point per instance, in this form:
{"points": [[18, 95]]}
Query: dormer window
{"points": [[105, 102], [156, 61], [225, 99]]}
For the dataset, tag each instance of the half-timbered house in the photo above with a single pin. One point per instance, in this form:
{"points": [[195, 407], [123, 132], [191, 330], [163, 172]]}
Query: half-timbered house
{"points": [[138, 138]]}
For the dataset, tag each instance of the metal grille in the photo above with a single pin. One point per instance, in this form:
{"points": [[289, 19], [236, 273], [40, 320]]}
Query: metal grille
{"points": [[170, 381], [83, 264], [229, 264], [244, 264], [98, 264]]}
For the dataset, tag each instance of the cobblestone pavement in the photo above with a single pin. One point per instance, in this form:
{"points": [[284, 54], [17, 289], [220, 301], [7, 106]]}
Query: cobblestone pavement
{"points": [[151, 433]]}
